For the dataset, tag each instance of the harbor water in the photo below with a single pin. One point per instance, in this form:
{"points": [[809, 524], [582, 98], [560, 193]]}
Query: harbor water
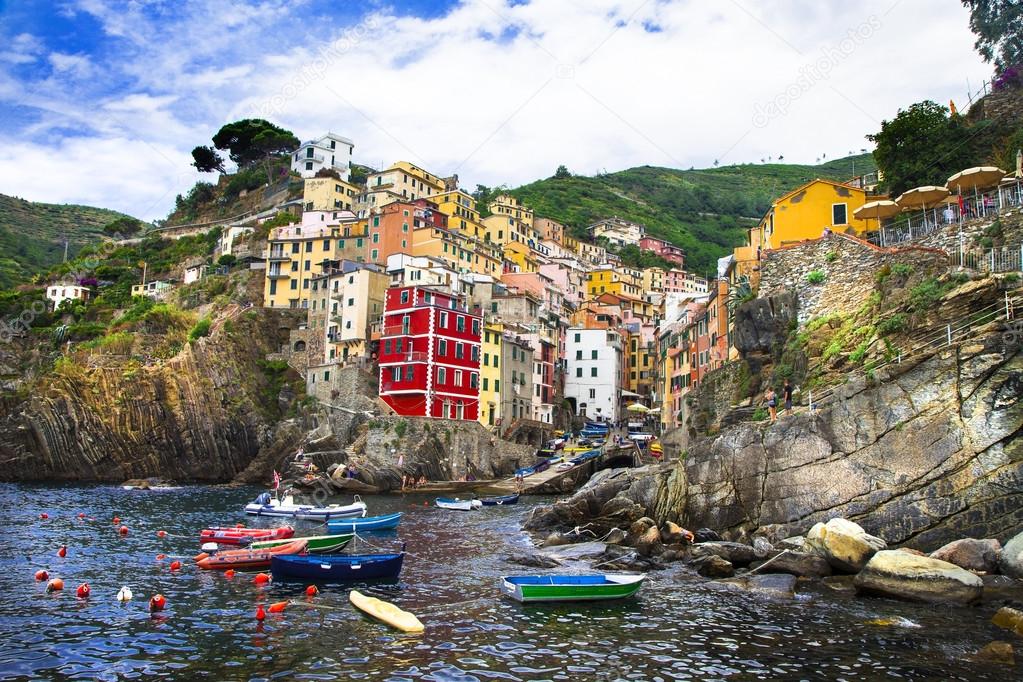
{"points": [[677, 628]]}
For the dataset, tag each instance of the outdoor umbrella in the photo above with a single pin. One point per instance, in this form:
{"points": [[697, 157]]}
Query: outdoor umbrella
{"points": [[637, 407], [975, 179], [921, 197], [883, 208]]}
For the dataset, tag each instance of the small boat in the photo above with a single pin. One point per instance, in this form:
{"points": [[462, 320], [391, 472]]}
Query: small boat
{"points": [[318, 544], [386, 612], [457, 504], [499, 501], [337, 568], [249, 558], [265, 505], [244, 536], [596, 587], [368, 523]]}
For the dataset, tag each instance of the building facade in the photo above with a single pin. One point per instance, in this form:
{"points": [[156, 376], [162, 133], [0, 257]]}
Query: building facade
{"points": [[329, 151], [593, 377]]}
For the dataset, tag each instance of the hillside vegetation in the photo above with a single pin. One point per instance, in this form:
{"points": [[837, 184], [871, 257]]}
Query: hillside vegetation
{"points": [[32, 235], [705, 211]]}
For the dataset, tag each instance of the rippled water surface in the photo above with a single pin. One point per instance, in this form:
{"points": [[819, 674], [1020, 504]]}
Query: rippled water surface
{"points": [[676, 629]]}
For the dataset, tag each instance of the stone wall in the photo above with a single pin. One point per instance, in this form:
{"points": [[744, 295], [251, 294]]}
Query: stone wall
{"points": [[1003, 106], [972, 232], [849, 266]]}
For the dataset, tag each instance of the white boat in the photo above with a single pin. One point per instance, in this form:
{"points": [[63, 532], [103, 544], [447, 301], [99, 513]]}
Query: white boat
{"points": [[265, 505], [457, 504]]}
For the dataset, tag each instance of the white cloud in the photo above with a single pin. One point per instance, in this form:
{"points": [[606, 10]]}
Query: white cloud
{"points": [[503, 94], [23, 48]]}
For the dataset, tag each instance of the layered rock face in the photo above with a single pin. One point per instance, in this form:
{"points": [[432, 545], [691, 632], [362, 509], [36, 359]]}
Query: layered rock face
{"points": [[928, 456], [201, 416]]}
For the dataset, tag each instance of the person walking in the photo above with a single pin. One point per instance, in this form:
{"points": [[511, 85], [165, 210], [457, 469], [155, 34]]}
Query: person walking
{"points": [[772, 403], [787, 395]]}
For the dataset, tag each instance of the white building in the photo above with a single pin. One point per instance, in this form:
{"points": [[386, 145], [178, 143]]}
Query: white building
{"points": [[593, 377], [330, 151], [58, 293], [617, 231], [194, 273], [228, 237], [155, 289]]}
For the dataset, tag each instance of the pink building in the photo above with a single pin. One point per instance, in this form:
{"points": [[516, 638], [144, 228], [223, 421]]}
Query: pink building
{"points": [[665, 250]]}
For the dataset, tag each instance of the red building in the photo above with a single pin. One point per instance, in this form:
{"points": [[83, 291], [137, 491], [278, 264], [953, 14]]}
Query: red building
{"points": [[665, 250], [430, 354]]}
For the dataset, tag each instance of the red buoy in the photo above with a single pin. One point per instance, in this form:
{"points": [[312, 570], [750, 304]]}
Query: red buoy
{"points": [[42, 575], [81, 515], [260, 613], [175, 565], [157, 603], [55, 585], [261, 579], [229, 573], [161, 557], [123, 530], [83, 591], [161, 533], [311, 591], [278, 607], [44, 516], [62, 552], [117, 520]]}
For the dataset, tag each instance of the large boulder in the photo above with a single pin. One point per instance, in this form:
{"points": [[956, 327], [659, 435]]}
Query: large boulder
{"points": [[845, 545], [1009, 618], [775, 586], [800, 564], [906, 576], [973, 555], [736, 553], [713, 566], [1011, 561]]}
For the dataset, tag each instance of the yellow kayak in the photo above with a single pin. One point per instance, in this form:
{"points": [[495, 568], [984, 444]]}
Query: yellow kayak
{"points": [[386, 612]]}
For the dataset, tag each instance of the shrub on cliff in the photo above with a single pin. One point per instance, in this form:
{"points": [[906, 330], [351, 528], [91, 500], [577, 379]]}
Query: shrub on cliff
{"points": [[200, 330], [816, 277]]}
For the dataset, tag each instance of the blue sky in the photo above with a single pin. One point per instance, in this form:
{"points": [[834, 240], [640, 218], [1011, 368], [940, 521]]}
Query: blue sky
{"points": [[101, 101]]}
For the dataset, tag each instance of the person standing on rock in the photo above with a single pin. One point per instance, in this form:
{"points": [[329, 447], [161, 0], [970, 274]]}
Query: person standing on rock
{"points": [[772, 403], [787, 393]]}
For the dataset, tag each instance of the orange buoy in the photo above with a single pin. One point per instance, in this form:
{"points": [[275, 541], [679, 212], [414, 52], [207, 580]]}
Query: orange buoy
{"points": [[229, 573], [62, 552], [157, 602], [278, 607], [44, 516], [260, 613], [311, 591], [261, 579], [161, 533], [55, 585], [117, 520], [123, 530], [81, 515], [175, 565], [161, 557], [200, 556], [42, 575], [83, 591]]}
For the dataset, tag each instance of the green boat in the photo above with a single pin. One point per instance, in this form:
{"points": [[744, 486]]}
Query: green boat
{"points": [[319, 544], [596, 587]]}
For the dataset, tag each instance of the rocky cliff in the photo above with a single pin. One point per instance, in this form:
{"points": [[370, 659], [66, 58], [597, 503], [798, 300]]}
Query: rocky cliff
{"points": [[201, 415]]}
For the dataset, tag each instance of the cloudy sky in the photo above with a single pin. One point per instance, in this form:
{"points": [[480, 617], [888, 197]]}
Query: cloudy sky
{"points": [[101, 101]]}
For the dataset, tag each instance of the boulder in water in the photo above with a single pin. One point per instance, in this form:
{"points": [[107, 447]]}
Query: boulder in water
{"points": [[713, 566], [1011, 561], [845, 544], [971, 554], [1009, 619], [736, 553], [997, 652], [533, 560], [801, 564], [906, 576], [706, 535], [774, 585]]}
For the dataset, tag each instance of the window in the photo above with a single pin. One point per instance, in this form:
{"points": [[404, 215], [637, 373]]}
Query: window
{"points": [[396, 373], [838, 214], [593, 393], [442, 348], [442, 375], [309, 164], [578, 371], [387, 346], [443, 319], [326, 245], [578, 338], [497, 385], [593, 355], [294, 284], [459, 351], [307, 266], [458, 377], [374, 254], [460, 323], [486, 359], [473, 380], [404, 296], [294, 247], [475, 327], [593, 371], [475, 353], [485, 382]]}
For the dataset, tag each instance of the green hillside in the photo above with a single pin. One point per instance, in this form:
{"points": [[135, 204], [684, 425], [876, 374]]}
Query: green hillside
{"points": [[706, 211], [32, 235]]}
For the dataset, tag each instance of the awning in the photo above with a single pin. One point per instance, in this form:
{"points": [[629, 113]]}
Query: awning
{"points": [[630, 394]]}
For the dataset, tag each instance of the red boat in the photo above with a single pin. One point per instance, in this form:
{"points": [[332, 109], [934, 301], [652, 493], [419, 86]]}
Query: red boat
{"points": [[243, 559], [244, 536]]}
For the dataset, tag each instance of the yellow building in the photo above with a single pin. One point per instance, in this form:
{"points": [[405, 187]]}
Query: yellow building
{"points": [[608, 280], [522, 256], [328, 194], [401, 181], [653, 280], [502, 229], [460, 208], [296, 253], [462, 253], [509, 207], [490, 375], [807, 211]]}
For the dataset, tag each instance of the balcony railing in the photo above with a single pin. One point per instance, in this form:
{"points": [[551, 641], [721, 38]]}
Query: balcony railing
{"points": [[396, 330], [271, 274], [276, 255], [391, 386], [406, 356]]}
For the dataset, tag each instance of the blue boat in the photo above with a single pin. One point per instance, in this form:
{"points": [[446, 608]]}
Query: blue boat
{"points": [[499, 501], [388, 522], [337, 568]]}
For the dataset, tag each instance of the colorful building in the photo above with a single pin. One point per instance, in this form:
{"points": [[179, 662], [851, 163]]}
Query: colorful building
{"points": [[329, 194], [509, 207], [490, 375], [430, 354], [329, 151], [664, 249], [616, 231], [58, 293], [807, 211], [391, 227], [296, 253], [593, 375], [516, 378], [611, 280], [682, 282], [402, 181]]}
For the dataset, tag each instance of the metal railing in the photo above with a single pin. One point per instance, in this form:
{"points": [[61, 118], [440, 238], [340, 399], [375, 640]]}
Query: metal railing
{"points": [[1008, 309]]}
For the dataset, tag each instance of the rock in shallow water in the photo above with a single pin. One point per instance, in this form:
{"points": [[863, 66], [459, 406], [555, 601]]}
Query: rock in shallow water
{"points": [[1011, 561], [706, 535], [897, 574], [1010, 619], [775, 585], [799, 564], [533, 560], [845, 544], [997, 652], [713, 566], [973, 555], [736, 553]]}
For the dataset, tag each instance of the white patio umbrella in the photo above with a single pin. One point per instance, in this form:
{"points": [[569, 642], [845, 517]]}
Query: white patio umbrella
{"points": [[976, 178], [882, 208], [637, 407]]}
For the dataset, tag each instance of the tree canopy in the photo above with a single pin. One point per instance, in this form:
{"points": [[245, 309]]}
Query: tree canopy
{"points": [[998, 25], [123, 227], [247, 142], [206, 160]]}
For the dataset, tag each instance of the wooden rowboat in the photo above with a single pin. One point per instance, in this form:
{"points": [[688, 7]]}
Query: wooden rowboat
{"points": [[499, 501], [245, 559], [368, 523], [595, 587], [244, 536], [457, 504], [386, 612], [318, 544], [337, 568]]}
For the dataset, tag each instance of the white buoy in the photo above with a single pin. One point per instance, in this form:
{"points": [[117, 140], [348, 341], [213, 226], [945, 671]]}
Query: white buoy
{"points": [[209, 547], [124, 594]]}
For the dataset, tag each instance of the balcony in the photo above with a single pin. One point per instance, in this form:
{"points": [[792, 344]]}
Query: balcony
{"points": [[312, 157], [277, 274], [391, 386], [276, 255], [395, 330]]}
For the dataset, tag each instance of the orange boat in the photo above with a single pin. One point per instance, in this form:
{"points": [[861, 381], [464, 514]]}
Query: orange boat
{"points": [[249, 558], [243, 536]]}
